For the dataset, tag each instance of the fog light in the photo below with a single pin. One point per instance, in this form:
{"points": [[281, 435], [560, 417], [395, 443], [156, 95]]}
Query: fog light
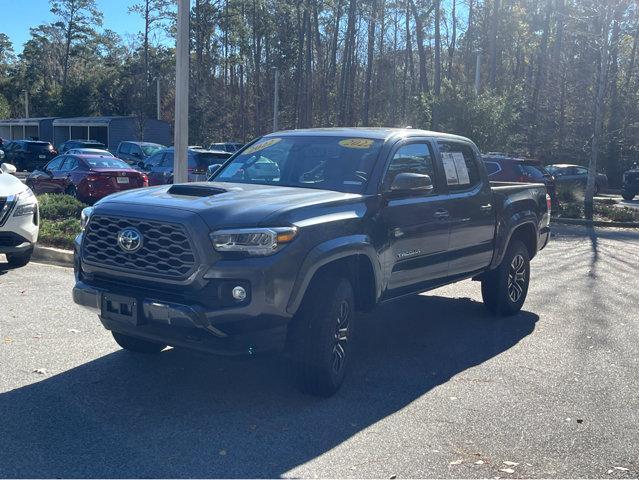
{"points": [[239, 293]]}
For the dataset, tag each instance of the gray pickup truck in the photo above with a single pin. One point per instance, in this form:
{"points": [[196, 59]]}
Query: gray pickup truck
{"points": [[298, 232]]}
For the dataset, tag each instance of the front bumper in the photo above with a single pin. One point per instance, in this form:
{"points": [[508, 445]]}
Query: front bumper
{"points": [[19, 234], [189, 326]]}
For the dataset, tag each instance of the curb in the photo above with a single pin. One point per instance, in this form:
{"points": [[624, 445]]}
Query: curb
{"points": [[594, 223], [52, 256]]}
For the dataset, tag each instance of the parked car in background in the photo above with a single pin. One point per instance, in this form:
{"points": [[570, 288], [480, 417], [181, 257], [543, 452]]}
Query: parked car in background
{"points": [[502, 168], [630, 183], [159, 167], [69, 144], [576, 176], [135, 153], [90, 151], [19, 218], [28, 155], [226, 147], [86, 177]]}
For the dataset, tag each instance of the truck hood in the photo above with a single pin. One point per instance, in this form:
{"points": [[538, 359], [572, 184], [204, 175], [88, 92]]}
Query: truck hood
{"points": [[227, 204], [10, 185]]}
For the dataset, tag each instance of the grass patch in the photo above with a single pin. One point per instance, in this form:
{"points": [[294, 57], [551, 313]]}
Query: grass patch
{"points": [[59, 220]]}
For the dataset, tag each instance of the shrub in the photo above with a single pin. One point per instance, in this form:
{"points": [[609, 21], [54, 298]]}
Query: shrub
{"points": [[617, 214], [59, 207], [59, 233], [571, 210]]}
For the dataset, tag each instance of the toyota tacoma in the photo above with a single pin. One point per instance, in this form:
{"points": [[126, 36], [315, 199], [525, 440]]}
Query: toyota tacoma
{"points": [[295, 234]]}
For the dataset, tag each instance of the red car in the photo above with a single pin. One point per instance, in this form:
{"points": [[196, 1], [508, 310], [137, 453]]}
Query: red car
{"points": [[86, 177]]}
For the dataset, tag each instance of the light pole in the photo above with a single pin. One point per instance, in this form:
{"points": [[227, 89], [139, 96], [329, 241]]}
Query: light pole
{"points": [[158, 100], [276, 97], [181, 134]]}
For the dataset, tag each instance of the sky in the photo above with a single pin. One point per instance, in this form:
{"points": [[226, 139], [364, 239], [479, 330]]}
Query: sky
{"points": [[17, 16]]}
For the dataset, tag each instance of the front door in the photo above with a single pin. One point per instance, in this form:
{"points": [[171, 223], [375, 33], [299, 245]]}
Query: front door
{"points": [[472, 214], [45, 182], [417, 226]]}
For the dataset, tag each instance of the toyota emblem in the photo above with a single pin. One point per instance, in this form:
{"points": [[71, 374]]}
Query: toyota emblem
{"points": [[130, 240]]}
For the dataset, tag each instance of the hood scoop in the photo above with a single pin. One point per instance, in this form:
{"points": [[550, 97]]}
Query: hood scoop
{"points": [[195, 190]]}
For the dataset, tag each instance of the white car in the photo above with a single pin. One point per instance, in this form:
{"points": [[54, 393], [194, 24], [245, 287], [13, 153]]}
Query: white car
{"points": [[19, 218]]}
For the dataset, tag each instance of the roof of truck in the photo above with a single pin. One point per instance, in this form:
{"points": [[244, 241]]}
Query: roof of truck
{"points": [[377, 133]]}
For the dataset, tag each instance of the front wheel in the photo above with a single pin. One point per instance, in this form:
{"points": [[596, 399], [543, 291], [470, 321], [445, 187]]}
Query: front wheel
{"points": [[504, 289], [322, 335], [627, 196], [136, 344]]}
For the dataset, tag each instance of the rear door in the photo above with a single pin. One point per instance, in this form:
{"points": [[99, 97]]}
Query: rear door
{"points": [[472, 215], [417, 226]]}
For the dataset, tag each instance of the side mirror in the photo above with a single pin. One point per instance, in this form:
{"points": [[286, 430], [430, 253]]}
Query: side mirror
{"points": [[411, 183], [141, 165], [213, 169], [8, 168]]}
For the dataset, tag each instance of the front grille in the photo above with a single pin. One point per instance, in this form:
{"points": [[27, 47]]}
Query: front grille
{"points": [[166, 250], [6, 205]]}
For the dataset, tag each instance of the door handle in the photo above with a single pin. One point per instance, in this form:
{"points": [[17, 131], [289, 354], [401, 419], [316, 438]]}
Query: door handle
{"points": [[486, 208], [441, 214]]}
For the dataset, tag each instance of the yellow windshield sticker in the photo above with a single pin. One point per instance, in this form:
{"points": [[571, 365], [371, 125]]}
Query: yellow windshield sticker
{"points": [[261, 145], [356, 143]]}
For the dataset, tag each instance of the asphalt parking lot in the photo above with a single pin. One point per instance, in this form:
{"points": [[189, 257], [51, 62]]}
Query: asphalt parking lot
{"points": [[438, 388]]}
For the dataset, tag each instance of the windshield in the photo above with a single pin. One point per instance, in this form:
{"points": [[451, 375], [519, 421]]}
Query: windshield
{"points": [[343, 164], [106, 162], [151, 149]]}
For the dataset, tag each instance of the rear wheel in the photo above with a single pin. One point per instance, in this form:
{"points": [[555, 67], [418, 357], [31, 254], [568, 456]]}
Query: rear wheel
{"points": [[322, 335], [504, 289], [71, 191], [19, 259], [136, 344], [627, 196]]}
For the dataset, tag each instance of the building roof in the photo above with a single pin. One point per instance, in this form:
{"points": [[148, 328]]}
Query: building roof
{"points": [[84, 121], [25, 121]]}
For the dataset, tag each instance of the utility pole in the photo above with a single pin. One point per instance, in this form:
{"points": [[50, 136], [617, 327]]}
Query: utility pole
{"points": [[276, 97], [158, 113], [181, 138], [26, 103], [477, 73]]}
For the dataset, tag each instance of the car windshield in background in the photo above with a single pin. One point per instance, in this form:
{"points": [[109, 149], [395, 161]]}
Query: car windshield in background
{"points": [[39, 147], [342, 164], [106, 162], [151, 149]]}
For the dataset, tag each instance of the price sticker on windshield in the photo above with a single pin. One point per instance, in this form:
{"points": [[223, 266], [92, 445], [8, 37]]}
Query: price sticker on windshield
{"points": [[356, 143], [261, 145]]}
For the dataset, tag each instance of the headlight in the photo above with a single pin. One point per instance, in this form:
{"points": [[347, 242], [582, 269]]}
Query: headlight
{"points": [[26, 204], [253, 241], [85, 216]]}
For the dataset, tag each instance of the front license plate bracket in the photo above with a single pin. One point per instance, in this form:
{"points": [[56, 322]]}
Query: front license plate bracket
{"points": [[120, 308]]}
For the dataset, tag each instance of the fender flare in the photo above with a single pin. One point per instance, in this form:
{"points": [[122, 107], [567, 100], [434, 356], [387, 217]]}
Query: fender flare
{"points": [[519, 219], [327, 252]]}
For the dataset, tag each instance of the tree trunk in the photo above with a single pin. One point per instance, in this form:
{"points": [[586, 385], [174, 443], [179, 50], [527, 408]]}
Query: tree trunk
{"points": [[453, 40], [369, 64], [494, 28], [421, 52], [437, 84], [601, 81]]}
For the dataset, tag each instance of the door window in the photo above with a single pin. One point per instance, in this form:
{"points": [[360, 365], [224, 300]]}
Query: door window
{"points": [[69, 164], [155, 160], [55, 164], [168, 160], [125, 148], [411, 158], [460, 165]]}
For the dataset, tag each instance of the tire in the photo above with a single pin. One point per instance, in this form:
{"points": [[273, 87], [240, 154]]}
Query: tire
{"points": [[627, 196], [322, 335], [16, 260], [136, 344], [71, 191], [500, 293]]}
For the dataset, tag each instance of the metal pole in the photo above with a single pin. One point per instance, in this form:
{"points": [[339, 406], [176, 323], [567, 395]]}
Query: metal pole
{"points": [[26, 104], [181, 138], [478, 73], [158, 114], [276, 98]]}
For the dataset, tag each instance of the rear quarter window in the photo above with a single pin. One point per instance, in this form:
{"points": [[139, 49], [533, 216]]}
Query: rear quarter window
{"points": [[492, 168]]}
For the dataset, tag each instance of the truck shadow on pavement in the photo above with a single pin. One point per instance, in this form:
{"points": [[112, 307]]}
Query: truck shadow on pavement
{"points": [[179, 414]]}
